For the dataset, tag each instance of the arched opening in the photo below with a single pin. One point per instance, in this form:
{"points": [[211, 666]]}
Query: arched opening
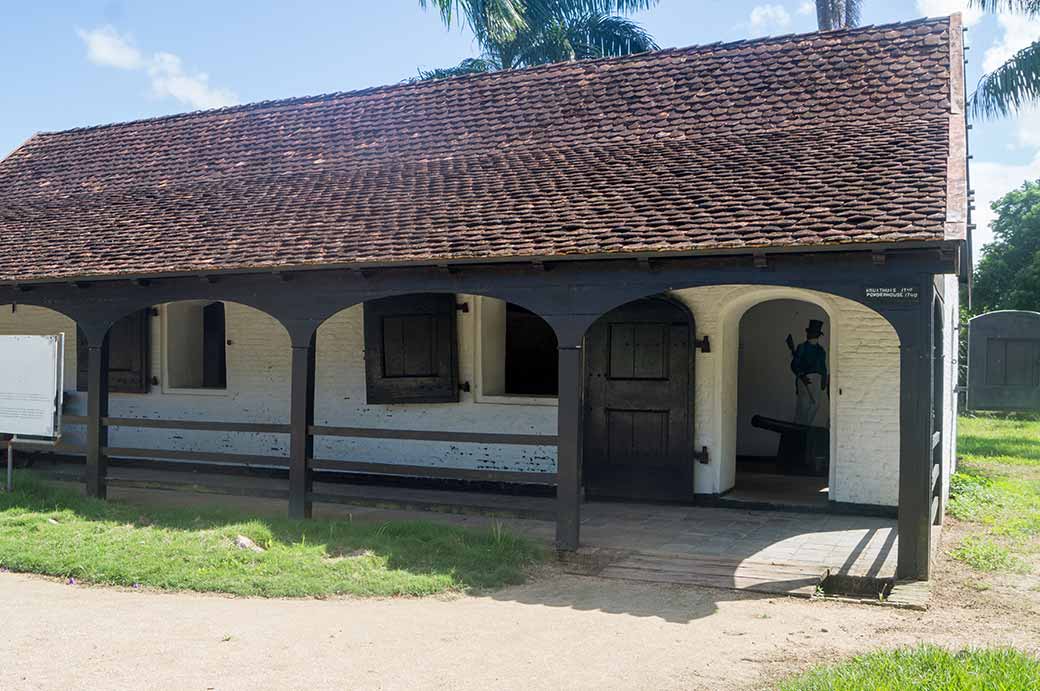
{"points": [[31, 320], [783, 404], [185, 380], [517, 351], [207, 363], [181, 351], [427, 389]]}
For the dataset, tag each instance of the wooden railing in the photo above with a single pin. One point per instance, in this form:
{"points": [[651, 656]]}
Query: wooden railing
{"points": [[323, 464]]}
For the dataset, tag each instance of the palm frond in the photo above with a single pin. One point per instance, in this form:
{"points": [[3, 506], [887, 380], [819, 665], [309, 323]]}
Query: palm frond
{"points": [[467, 66], [548, 44], [487, 19], [600, 35], [576, 8], [615, 6], [451, 11], [588, 36], [545, 12], [1006, 89], [1026, 7], [519, 33]]}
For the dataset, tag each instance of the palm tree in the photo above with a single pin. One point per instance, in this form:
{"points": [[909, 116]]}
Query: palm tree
{"points": [[838, 14], [1015, 83], [521, 33]]}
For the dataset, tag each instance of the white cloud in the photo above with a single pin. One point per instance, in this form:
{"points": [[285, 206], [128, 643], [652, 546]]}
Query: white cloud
{"points": [[106, 47], [165, 71], [807, 7], [766, 18], [1019, 32], [939, 8], [169, 79]]}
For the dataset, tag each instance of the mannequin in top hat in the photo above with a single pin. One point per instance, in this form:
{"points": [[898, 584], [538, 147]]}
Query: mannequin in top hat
{"points": [[809, 364]]}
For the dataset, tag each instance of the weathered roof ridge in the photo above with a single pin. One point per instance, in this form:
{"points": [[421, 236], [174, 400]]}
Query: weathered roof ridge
{"points": [[272, 105]]}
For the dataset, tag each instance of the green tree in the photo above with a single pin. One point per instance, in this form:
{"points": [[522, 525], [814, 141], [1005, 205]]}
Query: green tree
{"points": [[521, 33], [838, 14], [1017, 82], [1008, 275]]}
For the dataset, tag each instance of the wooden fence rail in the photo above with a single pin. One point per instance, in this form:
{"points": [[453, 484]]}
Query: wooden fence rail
{"points": [[345, 466]]}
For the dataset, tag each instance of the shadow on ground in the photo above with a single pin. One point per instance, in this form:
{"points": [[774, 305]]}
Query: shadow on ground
{"points": [[430, 545]]}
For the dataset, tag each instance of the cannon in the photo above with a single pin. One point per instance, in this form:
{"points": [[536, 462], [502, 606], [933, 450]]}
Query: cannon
{"points": [[803, 449]]}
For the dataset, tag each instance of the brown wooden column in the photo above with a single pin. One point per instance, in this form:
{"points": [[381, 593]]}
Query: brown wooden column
{"points": [[97, 409], [568, 449], [915, 431], [301, 418]]}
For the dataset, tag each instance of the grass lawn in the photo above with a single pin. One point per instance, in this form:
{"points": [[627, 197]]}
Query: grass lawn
{"points": [[997, 488], [926, 668], [996, 496], [59, 533]]}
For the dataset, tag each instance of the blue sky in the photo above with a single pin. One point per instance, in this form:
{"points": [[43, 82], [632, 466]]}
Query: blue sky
{"points": [[69, 64]]}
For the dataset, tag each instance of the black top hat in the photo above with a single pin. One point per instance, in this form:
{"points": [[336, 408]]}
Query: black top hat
{"points": [[815, 328]]}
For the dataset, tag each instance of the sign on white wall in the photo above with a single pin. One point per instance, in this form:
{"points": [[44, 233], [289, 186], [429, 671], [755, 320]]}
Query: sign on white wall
{"points": [[31, 373]]}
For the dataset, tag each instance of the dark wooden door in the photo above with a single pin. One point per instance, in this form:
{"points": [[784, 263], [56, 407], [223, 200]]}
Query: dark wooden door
{"points": [[638, 404]]}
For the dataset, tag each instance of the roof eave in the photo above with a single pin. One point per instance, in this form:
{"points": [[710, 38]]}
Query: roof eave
{"points": [[865, 247]]}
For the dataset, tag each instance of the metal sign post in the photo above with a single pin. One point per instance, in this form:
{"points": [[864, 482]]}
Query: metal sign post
{"points": [[23, 442]]}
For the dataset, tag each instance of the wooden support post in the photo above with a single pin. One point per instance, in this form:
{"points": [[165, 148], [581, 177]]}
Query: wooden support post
{"points": [[301, 418], [915, 431], [97, 408], [568, 449]]}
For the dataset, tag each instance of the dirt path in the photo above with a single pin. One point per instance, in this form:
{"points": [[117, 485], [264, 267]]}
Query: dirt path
{"points": [[557, 632]]}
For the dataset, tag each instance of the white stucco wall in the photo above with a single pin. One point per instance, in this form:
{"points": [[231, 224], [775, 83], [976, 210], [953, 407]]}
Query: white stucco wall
{"points": [[864, 405], [864, 409]]}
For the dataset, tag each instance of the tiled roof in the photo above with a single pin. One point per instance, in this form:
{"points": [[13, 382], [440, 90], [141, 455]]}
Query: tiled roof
{"points": [[839, 137]]}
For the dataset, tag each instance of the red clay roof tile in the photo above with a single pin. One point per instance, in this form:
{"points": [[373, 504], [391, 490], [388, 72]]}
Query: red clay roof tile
{"points": [[839, 137]]}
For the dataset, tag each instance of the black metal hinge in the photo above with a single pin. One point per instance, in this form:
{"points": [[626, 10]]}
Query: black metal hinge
{"points": [[702, 456], [702, 344]]}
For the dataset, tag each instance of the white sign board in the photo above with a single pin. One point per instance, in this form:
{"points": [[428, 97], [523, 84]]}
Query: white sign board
{"points": [[31, 373]]}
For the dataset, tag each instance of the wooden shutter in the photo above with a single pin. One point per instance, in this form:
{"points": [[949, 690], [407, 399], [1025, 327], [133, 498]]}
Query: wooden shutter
{"points": [[411, 349], [128, 344]]}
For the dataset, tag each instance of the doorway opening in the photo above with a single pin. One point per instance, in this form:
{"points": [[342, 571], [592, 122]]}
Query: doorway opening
{"points": [[783, 405], [638, 404]]}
